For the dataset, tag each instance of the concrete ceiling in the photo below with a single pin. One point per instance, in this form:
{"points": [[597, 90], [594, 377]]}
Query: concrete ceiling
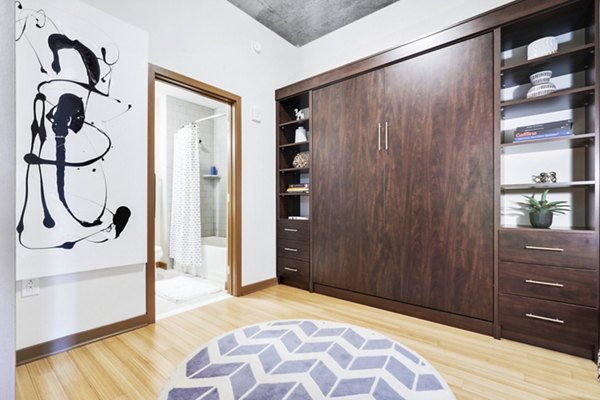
{"points": [[302, 21]]}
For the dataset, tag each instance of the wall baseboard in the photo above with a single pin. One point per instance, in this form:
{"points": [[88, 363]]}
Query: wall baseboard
{"points": [[69, 342], [255, 287]]}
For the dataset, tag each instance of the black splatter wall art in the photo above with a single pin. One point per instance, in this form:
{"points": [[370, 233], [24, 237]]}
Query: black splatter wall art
{"points": [[81, 139]]}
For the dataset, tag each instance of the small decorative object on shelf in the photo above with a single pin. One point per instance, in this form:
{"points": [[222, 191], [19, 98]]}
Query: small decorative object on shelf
{"points": [[301, 135], [545, 177], [213, 170], [298, 188], [541, 84], [542, 47], [541, 211], [544, 131], [299, 114], [301, 160]]}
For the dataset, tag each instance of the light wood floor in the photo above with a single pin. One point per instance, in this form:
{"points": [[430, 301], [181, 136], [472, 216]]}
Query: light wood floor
{"points": [[134, 365]]}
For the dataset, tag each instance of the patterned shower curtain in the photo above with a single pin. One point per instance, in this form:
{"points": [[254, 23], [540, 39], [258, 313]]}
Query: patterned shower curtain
{"points": [[185, 246]]}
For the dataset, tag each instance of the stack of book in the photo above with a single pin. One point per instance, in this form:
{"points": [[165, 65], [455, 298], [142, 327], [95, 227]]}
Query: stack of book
{"points": [[297, 188], [544, 131]]}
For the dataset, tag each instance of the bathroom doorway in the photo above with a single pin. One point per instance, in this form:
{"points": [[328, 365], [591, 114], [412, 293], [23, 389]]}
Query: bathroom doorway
{"points": [[194, 244]]}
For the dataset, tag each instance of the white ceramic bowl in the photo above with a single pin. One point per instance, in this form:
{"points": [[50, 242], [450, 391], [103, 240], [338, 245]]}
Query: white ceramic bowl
{"points": [[540, 78], [542, 47], [541, 90]]}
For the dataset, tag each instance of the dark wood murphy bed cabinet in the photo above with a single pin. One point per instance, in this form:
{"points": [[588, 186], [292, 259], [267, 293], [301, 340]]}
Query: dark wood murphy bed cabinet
{"points": [[413, 183], [396, 155]]}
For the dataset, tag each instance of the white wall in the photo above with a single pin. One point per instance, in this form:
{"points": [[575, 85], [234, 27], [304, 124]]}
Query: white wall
{"points": [[387, 28], [74, 303], [7, 202], [209, 40]]}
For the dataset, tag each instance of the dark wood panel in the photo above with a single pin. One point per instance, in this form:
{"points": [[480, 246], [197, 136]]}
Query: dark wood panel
{"points": [[439, 180], [470, 27], [294, 230], [539, 246], [347, 186], [293, 249], [574, 286], [574, 325], [458, 321]]}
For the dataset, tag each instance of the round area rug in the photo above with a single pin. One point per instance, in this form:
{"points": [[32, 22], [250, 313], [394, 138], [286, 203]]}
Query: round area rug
{"points": [[304, 359]]}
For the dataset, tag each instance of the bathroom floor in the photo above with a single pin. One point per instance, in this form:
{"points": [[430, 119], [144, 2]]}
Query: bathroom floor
{"points": [[177, 292]]}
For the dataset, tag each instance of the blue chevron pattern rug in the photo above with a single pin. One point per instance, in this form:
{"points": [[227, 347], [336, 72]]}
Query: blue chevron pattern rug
{"points": [[305, 359]]}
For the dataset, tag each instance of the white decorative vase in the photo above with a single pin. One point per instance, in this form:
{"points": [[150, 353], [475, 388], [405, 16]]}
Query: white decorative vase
{"points": [[301, 135], [541, 84]]}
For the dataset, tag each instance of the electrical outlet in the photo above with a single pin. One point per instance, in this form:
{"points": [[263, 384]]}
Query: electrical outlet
{"points": [[30, 287]]}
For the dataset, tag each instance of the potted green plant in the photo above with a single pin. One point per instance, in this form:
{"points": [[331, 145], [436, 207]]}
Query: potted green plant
{"points": [[542, 210]]}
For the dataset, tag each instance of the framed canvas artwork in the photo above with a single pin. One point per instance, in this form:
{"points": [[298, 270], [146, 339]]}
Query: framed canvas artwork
{"points": [[81, 139]]}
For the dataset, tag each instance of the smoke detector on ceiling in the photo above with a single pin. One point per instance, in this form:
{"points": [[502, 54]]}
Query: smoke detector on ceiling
{"points": [[256, 46]]}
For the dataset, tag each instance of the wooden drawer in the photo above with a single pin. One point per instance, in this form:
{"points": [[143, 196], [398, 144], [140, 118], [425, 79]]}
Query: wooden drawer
{"points": [[575, 286], [293, 269], [545, 323], [293, 230], [293, 249], [567, 249]]}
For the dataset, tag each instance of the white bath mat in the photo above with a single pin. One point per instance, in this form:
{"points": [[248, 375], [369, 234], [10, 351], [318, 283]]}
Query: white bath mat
{"points": [[183, 288]]}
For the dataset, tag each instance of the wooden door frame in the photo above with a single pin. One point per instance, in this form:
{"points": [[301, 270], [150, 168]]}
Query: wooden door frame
{"points": [[234, 179]]}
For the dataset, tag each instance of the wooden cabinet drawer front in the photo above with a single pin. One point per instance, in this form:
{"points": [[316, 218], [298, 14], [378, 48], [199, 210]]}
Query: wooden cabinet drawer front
{"points": [[567, 249], [294, 230], [293, 249], [548, 320], [575, 286], [292, 269]]}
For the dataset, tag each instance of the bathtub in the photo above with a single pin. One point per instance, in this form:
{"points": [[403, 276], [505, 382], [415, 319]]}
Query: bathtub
{"points": [[214, 257]]}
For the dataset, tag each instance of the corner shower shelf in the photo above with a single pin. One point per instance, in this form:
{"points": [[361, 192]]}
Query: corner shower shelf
{"points": [[212, 177]]}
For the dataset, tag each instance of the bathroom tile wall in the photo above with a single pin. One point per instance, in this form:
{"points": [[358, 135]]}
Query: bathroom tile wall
{"points": [[221, 130]]}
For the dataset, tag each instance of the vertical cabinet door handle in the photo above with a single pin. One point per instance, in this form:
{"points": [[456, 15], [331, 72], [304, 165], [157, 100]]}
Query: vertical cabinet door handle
{"points": [[379, 136], [386, 135]]}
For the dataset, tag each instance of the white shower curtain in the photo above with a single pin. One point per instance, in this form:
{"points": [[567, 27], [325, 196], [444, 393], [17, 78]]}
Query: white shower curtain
{"points": [[185, 246]]}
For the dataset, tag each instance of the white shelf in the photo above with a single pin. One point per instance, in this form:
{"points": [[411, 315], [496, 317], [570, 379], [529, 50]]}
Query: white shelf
{"points": [[212, 177]]}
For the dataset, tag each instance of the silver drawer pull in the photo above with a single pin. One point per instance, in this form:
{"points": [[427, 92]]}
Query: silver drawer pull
{"points": [[290, 230], [290, 269], [555, 320], [556, 249], [289, 249], [544, 283]]}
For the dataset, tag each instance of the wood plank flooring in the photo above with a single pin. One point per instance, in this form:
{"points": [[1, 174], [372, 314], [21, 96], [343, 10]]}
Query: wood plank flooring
{"points": [[135, 365]]}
